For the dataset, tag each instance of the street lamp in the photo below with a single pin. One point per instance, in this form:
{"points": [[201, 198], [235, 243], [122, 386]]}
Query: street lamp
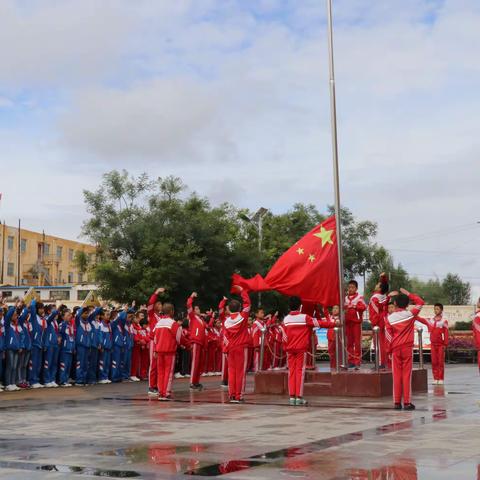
{"points": [[257, 221]]}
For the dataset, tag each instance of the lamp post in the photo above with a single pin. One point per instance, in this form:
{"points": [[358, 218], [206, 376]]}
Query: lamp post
{"points": [[257, 221]]}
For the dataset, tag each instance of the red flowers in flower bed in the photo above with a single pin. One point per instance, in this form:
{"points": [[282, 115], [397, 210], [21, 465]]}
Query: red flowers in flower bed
{"points": [[461, 343]]}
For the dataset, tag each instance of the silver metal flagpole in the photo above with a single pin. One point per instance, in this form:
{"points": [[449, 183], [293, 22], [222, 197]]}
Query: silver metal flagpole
{"points": [[336, 181]]}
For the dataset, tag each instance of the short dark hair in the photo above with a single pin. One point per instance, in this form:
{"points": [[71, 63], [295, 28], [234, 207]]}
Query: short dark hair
{"points": [[439, 305], [353, 282], [402, 300], [234, 306], [384, 288], [40, 305], [295, 303], [258, 309], [167, 309]]}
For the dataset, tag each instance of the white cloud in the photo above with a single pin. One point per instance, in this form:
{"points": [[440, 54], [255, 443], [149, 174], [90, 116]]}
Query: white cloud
{"points": [[237, 104]]}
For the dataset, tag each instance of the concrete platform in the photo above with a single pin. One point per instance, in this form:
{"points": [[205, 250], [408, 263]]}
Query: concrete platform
{"points": [[362, 383]]}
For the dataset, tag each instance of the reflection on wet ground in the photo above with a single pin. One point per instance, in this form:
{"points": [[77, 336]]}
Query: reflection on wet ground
{"points": [[119, 433]]}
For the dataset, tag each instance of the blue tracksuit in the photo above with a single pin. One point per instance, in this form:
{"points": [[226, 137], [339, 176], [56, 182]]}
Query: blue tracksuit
{"points": [[105, 362], [67, 349], [26, 345], [52, 349], [13, 343], [2, 347], [129, 342], [83, 340], [96, 343], [118, 346], [39, 334]]}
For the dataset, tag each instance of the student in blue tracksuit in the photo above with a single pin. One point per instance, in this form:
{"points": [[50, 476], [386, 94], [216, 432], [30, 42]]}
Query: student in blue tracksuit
{"points": [[96, 344], [129, 334], [52, 350], [13, 345], [105, 355], [2, 346], [118, 345], [24, 356], [39, 330], [67, 348], [83, 339]]}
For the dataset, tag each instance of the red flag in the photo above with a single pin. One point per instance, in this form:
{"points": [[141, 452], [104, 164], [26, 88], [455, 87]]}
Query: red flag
{"points": [[308, 269]]}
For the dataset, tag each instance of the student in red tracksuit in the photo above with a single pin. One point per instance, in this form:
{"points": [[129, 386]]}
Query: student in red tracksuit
{"points": [[354, 308], [167, 336], [237, 342], [377, 313], [258, 326], [333, 321], [140, 343], [297, 331], [222, 315], [400, 329], [476, 332], [197, 336], [438, 329], [154, 312]]}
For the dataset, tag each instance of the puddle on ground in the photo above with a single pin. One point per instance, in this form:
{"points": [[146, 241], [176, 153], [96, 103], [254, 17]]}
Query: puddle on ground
{"points": [[90, 471]]}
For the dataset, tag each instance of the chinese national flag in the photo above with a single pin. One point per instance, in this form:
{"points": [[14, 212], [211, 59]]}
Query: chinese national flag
{"points": [[308, 269]]}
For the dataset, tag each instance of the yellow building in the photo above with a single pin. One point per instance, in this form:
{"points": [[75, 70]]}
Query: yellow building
{"points": [[41, 259]]}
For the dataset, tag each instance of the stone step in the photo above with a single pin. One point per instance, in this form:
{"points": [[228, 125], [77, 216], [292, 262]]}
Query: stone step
{"points": [[316, 376], [317, 388]]}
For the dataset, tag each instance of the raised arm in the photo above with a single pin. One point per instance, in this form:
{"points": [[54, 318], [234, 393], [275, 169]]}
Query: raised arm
{"points": [[416, 300], [33, 309], [247, 304], [190, 301], [221, 309], [52, 316], [94, 314]]}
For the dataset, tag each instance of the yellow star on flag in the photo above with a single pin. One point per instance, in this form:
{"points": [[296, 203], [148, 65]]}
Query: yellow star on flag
{"points": [[325, 236], [311, 257], [300, 251]]}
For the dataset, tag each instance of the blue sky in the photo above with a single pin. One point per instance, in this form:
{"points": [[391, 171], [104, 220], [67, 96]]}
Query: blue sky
{"points": [[233, 97]]}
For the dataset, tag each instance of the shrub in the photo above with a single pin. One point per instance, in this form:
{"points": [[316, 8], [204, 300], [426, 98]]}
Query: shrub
{"points": [[463, 326]]}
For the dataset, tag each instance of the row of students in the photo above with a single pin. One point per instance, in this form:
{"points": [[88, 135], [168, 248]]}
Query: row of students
{"points": [[45, 346]]}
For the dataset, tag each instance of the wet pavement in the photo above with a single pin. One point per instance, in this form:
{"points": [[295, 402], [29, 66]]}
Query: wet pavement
{"points": [[114, 431]]}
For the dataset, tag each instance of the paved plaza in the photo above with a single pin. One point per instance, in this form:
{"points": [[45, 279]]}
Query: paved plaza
{"points": [[114, 431]]}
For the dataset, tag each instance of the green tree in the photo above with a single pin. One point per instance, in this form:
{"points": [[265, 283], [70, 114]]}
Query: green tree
{"points": [[456, 291], [81, 261], [382, 261], [431, 291]]}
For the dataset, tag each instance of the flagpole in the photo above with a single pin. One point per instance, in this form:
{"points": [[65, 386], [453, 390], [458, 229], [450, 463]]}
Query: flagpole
{"points": [[336, 181]]}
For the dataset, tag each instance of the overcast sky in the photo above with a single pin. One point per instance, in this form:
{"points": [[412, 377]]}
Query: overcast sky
{"points": [[232, 96]]}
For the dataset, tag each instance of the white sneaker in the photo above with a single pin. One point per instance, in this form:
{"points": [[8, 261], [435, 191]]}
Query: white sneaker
{"points": [[177, 375], [440, 382], [109, 381], [10, 388], [54, 384], [37, 385], [103, 382], [65, 385], [135, 378], [187, 375], [17, 387], [49, 385]]}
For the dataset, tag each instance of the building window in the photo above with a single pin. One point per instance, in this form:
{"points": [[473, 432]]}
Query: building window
{"points": [[70, 277], [70, 254], [10, 242], [60, 276], [59, 295], [80, 277], [23, 245], [59, 252], [7, 294], [46, 249], [11, 269], [82, 295]]}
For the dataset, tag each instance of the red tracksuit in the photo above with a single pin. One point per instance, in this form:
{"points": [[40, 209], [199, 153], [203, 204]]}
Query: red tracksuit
{"points": [[354, 308], [198, 339], [476, 335], [153, 318], [297, 333], [222, 317], [140, 345], [438, 329], [167, 336], [377, 312], [332, 346], [237, 341], [400, 330], [257, 327]]}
